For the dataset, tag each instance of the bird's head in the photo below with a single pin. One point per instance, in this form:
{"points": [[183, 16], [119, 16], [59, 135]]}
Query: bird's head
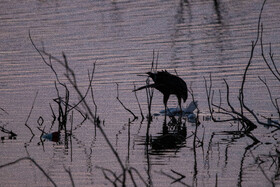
{"points": [[149, 74], [152, 75]]}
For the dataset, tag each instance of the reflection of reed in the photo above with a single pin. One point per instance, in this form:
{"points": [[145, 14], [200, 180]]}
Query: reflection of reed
{"points": [[271, 157]]}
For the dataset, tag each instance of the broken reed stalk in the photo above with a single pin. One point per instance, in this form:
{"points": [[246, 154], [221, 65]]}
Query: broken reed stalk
{"points": [[142, 115], [116, 178], [68, 171], [197, 122], [273, 70], [62, 114], [4, 110], [149, 94], [150, 91], [11, 133], [135, 117], [241, 91], [274, 103], [96, 119], [262, 170], [233, 114], [130, 169], [64, 106], [241, 96], [173, 178], [32, 106], [70, 75], [247, 124], [72, 79]]}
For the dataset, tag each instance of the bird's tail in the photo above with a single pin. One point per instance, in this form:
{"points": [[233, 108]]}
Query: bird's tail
{"points": [[144, 87]]}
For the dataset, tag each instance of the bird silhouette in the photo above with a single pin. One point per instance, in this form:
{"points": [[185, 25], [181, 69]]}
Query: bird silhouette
{"points": [[168, 84]]}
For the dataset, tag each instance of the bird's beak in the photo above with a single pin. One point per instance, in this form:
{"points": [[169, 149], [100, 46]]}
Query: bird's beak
{"points": [[142, 75]]}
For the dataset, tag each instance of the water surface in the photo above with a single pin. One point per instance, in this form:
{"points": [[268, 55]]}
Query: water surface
{"points": [[195, 38]]}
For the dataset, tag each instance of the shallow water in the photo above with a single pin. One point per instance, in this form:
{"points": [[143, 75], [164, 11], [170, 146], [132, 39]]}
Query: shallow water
{"points": [[195, 38]]}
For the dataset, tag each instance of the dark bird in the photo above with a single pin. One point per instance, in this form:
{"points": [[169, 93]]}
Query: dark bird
{"points": [[168, 84]]}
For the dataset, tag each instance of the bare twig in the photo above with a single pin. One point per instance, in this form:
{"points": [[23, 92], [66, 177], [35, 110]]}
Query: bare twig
{"points": [[11, 133], [139, 175], [138, 103], [34, 162], [4, 110], [274, 103], [275, 72], [33, 103], [70, 175], [263, 172], [135, 117], [173, 178]]}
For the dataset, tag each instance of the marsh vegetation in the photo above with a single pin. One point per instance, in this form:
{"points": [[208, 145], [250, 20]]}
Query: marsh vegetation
{"points": [[84, 126]]}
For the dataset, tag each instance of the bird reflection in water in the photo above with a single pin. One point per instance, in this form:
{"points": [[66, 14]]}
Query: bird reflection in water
{"points": [[173, 135]]}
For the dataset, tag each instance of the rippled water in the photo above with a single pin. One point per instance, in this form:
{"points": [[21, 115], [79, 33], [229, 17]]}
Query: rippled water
{"points": [[195, 38]]}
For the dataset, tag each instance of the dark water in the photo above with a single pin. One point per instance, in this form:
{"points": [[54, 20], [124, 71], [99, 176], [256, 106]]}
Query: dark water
{"points": [[195, 38]]}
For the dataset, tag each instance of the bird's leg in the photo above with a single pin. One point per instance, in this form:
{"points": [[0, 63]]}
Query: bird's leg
{"points": [[165, 114], [164, 128], [180, 106], [165, 99]]}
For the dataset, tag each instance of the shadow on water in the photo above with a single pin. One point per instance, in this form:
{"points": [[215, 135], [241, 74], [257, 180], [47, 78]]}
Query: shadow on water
{"points": [[172, 137]]}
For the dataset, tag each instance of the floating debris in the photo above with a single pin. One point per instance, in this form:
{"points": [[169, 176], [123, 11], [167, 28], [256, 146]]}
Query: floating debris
{"points": [[272, 121], [10, 134], [176, 111], [208, 118], [54, 136], [191, 118], [189, 112]]}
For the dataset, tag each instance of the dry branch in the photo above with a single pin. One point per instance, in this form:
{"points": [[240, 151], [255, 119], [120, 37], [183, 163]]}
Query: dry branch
{"points": [[135, 117], [32, 106], [34, 162]]}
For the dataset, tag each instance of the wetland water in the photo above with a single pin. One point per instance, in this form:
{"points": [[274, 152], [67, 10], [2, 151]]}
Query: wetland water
{"points": [[195, 38]]}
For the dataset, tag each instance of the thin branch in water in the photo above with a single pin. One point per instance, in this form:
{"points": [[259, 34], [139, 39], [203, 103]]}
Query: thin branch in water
{"points": [[41, 137], [33, 103], [70, 175], [275, 104], [139, 175], [138, 102], [135, 117], [262, 170], [179, 179], [34, 162], [173, 178], [91, 117], [88, 89], [96, 118], [275, 72], [11, 133], [4, 110], [104, 170]]}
